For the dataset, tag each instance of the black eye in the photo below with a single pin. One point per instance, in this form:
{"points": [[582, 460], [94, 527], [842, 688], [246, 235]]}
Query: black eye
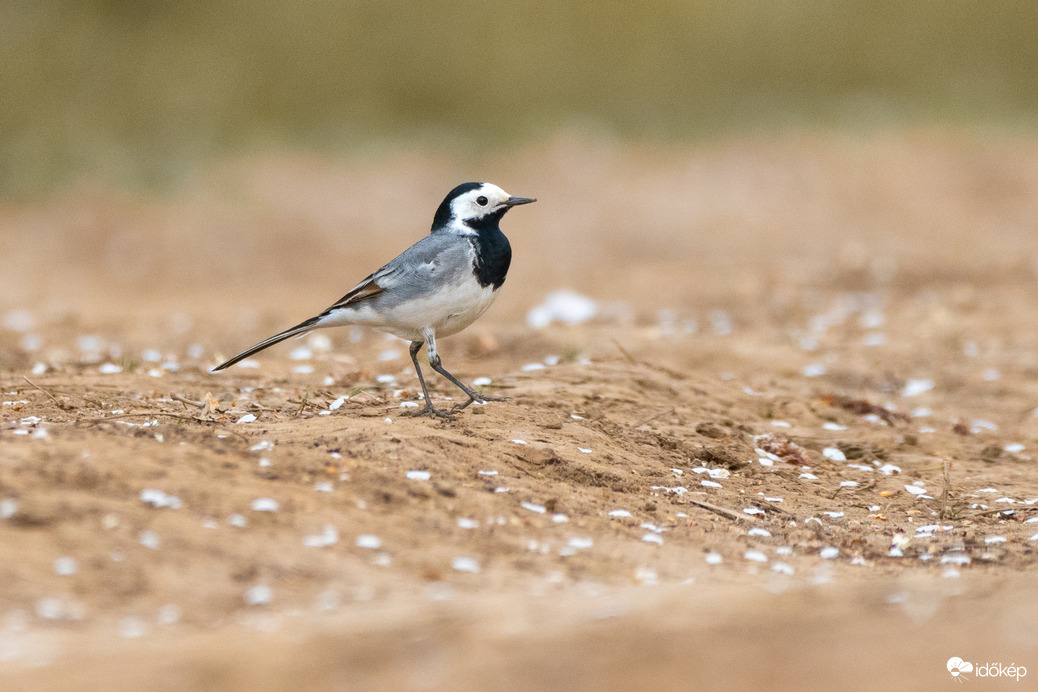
{"points": [[482, 201]]}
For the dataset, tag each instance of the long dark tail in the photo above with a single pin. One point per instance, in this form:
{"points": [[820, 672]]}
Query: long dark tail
{"points": [[301, 328]]}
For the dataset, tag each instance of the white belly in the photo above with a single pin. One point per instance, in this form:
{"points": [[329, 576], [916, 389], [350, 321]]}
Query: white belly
{"points": [[445, 313]]}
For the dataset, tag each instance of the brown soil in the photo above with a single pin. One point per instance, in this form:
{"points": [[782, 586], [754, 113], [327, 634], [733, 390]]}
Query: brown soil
{"points": [[808, 288]]}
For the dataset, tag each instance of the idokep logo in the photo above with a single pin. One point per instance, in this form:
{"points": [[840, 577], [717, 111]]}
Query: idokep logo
{"points": [[959, 669]]}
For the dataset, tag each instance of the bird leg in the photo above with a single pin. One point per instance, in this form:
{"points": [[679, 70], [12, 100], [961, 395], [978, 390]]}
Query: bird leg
{"points": [[428, 410]]}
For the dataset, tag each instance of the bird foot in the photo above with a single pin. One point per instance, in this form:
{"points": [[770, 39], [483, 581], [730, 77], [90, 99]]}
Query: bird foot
{"points": [[432, 413]]}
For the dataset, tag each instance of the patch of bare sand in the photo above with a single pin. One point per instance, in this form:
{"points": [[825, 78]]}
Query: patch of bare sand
{"points": [[820, 305]]}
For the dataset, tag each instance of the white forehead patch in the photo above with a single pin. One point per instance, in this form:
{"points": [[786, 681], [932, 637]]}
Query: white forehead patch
{"points": [[466, 207]]}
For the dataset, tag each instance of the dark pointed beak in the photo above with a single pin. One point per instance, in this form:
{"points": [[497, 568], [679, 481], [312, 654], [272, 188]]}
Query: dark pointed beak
{"points": [[516, 201]]}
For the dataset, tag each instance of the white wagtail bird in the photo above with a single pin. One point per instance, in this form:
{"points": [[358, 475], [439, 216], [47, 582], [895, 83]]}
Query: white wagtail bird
{"points": [[433, 289]]}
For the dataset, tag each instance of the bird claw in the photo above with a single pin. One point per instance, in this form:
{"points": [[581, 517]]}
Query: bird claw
{"points": [[432, 413]]}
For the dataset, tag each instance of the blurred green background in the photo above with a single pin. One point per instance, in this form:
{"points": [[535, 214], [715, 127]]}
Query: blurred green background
{"points": [[138, 91]]}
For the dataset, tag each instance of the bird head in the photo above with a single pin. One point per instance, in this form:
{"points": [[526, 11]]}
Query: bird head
{"points": [[471, 205]]}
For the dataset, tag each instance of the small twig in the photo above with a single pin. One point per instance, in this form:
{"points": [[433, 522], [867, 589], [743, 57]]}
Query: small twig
{"points": [[649, 419], [946, 492], [60, 404], [623, 351], [1004, 509], [185, 400], [723, 511], [181, 416]]}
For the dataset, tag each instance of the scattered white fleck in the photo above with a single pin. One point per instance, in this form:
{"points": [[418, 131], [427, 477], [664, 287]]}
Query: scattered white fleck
{"points": [[773, 499], [386, 379], [583, 450], [169, 614], [809, 476], [158, 499], [149, 539], [757, 531], [261, 594], [710, 484], [646, 576], [995, 539], [782, 568], [713, 558], [1034, 537], [502, 489], [39, 368], [764, 461], [814, 370], [323, 487], [532, 366], [950, 573], [981, 424], [874, 339], [264, 504], [465, 564], [408, 404], [389, 354], [19, 321], [620, 513], [814, 519], [580, 542], [991, 375], [482, 381], [418, 475], [860, 467], [301, 353], [539, 509], [247, 363], [559, 518], [955, 559], [653, 538], [519, 442], [833, 515], [132, 627], [302, 369], [328, 536], [834, 454], [987, 490], [66, 566], [781, 424], [337, 404], [561, 306], [8, 508], [889, 469], [755, 556], [369, 541], [551, 360], [576, 417], [915, 387], [1014, 448], [387, 420], [833, 426], [247, 418], [465, 523], [110, 369], [238, 521], [262, 446], [487, 473], [829, 553], [915, 489], [848, 484], [752, 510]]}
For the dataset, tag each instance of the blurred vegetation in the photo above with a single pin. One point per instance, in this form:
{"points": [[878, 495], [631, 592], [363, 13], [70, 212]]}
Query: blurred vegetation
{"points": [[139, 89]]}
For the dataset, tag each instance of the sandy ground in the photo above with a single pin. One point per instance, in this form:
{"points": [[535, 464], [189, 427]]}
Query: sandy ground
{"points": [[793, 449]]}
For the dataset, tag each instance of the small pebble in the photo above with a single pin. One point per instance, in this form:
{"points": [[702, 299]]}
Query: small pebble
{"points": [[265, 504], [261, 594]]}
